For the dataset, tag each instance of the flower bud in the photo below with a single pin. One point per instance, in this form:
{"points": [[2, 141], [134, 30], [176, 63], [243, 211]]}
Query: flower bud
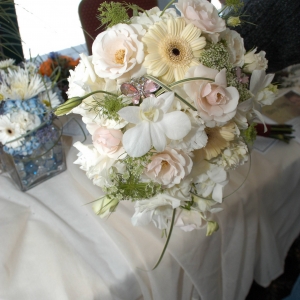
{"points": [[212, 226], [234, 21], [67, 106]]}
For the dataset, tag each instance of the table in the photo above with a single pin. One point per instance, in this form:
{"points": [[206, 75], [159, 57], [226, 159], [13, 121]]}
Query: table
{"points": [[54, 247]]}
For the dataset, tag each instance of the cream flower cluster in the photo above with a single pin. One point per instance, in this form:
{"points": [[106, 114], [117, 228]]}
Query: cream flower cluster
{"points": [[167, 99]]}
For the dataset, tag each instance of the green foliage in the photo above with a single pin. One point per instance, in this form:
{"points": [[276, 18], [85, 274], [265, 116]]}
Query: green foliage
{"points": [[234, 4], [128, 185], [109, 106], [249, 134], [112, 13]]}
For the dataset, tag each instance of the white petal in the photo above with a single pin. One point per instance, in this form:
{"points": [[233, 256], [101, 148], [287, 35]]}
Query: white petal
{"points": [[158, 137], [167, 101], [137, 140], [130, 114], [218, 193], [176, 125]]}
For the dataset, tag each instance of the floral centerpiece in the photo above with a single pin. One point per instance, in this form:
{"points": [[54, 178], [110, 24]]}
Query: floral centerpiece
{"points": [[27, 134], [57, 67], [169, 100]]}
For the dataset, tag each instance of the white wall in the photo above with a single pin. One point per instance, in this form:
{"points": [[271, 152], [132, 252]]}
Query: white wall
{"points": [[48, 25]]}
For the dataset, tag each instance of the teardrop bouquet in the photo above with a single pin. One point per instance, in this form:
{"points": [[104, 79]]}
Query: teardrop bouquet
{"points": [[169, 101], [30, 144]]}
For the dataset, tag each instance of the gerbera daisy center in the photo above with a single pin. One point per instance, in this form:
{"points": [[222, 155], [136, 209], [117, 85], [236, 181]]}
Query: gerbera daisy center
{"points": [[176, 51]]}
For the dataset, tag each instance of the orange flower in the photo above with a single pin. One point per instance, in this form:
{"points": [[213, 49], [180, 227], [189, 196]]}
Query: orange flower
{"points": [[46, 67]]}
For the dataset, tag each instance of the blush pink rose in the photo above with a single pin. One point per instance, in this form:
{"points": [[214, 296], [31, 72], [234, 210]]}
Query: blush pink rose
{"points": [[107, 140], [169, 167], [216, 103], [203, 15]]}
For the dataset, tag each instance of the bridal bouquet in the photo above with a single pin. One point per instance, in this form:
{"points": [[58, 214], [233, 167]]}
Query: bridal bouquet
{"points": [[169, 100], [26, 102]]}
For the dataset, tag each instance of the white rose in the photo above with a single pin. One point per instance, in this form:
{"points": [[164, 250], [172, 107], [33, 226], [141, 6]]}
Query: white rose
{"points": [[169, 167], [203, 15], [151, 16], [235, 47], [216, 103], [255, 61], [118, 52]]}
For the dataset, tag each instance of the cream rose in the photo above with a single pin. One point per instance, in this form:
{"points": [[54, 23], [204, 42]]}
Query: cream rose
{"points": [[169, 167], [203, 15], [107, 140], [216, 103], [255, 61], [118, 52], [235, 47]]}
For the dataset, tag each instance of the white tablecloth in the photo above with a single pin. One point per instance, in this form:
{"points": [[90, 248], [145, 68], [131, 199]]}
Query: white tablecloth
{"points": [[54, 247]]}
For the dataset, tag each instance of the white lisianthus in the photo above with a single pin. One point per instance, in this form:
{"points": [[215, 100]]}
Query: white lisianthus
{"points": [[216, 103], [158, 209], [153, 15], [118, 52], [203, 15], [235, 47], [169, 167], [255, 61], [153, 125]]}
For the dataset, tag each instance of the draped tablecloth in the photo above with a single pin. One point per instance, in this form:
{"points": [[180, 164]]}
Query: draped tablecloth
{"points": [[53, 246]]}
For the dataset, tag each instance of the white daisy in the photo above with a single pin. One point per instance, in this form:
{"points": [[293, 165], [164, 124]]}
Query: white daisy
{"points": [[10, 131], [49, 98]]}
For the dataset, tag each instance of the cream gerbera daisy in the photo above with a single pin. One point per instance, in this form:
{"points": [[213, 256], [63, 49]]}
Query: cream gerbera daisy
{"points": [[218, 139], [173, 47]]}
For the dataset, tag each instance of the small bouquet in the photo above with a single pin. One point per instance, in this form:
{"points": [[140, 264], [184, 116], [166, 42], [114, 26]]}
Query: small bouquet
{"points": [[169, 101], [27, 101], [57, 67]]}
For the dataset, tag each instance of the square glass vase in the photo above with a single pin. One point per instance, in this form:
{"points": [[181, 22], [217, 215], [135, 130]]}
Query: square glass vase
{"points": [[46, 161]]}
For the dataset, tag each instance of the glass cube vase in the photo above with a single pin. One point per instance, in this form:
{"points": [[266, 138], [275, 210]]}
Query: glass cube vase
{"points": [[46, 161]]}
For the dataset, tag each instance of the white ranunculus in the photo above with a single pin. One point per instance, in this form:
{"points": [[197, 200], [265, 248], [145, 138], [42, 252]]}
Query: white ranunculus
{"points": [[216, 103], [151, 16], [255, 61], [153, 125], [118, 52], [235, 47], [158, 209], [203, 15], [169, 167]]}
